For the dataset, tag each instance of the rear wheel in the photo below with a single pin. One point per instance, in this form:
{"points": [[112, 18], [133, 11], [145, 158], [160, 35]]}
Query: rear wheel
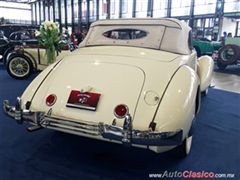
{"points": [[19, 66], [228, 54], [221, 66]]}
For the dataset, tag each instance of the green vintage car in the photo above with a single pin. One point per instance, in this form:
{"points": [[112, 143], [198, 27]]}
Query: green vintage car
{"points": [[204, 46], [229, 54]]}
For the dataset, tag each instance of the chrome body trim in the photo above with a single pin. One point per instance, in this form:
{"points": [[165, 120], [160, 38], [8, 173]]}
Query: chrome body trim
{"points": [[125, 134], [70, 126]]}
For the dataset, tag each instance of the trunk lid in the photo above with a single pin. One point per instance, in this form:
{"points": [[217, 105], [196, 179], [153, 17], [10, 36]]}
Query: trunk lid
{"points": [[131, 76], [116, 83]]}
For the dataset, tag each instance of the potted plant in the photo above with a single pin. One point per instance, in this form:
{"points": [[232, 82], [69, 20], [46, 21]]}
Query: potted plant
{"points": [[50, 39]]}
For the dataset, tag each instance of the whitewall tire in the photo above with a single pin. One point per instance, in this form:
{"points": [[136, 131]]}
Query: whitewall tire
{"points": [[19, 66]]}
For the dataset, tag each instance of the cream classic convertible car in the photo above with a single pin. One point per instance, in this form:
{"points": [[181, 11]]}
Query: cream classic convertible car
{"points": [[133, 81]]}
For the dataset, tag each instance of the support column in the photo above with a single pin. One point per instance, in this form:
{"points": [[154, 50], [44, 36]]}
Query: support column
{"points": [[88, 14], [60, 15], [54, 11], [44, 14], [79, 14], [36, 20], [65, 6], [120, 8], [73, 19], [191, 15], [48, 5], [32, 21], [204, 23], [150, 8], [97, 11], [237, 26], [169, 8], [134, 8], [219, 13], [40, 14], [108, 9]]}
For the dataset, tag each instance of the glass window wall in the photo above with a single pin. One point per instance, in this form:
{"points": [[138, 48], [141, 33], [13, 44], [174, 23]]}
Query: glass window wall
{"points": [[180, 7], [93, 10], [37, 18], [69, 12], [84, 10], [46, 10], [232, 6], [33, 13], [62, 12], [114, 9], [56, 11], [75, 13], [51, 13], [160, 8], [22, 13], [141, 8], [238, 30], [127, 7], [102, 9], [205, 7], [41, 9], [203, 28]]}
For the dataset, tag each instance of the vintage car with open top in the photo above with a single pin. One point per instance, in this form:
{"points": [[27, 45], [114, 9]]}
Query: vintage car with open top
{"points": [[132, 81]]}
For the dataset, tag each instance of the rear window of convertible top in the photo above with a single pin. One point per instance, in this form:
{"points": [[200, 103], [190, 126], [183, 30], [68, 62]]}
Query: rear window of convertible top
{"points": [[125, 34]]}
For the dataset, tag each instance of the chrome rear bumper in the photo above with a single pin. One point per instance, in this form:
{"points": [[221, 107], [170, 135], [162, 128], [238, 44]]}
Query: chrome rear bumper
{"points": [[125, 134], [146, 138]]}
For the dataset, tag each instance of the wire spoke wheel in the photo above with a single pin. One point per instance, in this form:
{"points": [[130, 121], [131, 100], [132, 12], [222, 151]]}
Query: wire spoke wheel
{"points": [[19, 67]]}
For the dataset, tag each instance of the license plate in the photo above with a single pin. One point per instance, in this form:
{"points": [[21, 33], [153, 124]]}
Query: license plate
{"points": [[83, 100]]}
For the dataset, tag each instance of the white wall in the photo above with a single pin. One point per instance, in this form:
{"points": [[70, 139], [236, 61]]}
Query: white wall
{"points": [[228, 26]]}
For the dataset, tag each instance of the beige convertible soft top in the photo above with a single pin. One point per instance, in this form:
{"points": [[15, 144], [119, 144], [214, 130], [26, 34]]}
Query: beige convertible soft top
{"points": [[165, 34]]}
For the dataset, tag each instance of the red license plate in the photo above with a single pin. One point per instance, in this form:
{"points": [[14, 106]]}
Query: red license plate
{"points": [[83, 100]]}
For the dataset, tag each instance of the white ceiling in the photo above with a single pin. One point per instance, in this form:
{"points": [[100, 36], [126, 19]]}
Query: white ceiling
{"points": [[19, 1]]}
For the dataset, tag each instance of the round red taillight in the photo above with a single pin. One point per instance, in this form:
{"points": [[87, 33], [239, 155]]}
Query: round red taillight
{"points": [[51, 99], [121, 111]]}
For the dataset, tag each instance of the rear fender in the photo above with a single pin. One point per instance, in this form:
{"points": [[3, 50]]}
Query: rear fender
{"points": [[204, 70], [178, 105], [33, 60], [6, 53], [33, 87]]}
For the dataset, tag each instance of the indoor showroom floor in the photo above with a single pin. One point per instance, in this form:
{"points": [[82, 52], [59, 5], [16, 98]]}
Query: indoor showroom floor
{"points": [[47, 154]]}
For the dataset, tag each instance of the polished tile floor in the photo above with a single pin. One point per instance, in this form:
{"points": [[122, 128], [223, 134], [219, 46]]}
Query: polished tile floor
{"points": [[226, 82]]}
